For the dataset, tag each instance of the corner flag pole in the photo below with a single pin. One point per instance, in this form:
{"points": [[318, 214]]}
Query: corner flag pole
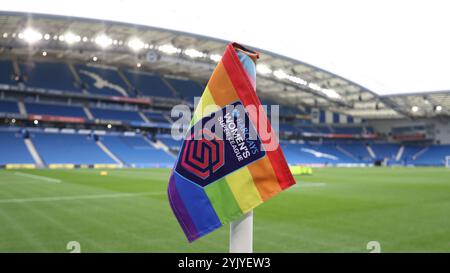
{"points": [[241, 234]]}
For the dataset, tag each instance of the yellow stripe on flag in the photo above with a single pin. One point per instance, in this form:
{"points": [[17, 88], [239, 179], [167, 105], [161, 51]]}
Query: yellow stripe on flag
{"points": [[205, 106], [244, 189]]}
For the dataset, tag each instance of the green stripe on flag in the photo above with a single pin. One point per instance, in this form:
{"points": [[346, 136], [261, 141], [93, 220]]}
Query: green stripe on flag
{"points": [[223, 201]]}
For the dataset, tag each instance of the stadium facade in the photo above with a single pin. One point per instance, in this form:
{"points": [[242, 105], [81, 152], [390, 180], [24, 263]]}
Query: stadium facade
{"points": [[86, 93]]}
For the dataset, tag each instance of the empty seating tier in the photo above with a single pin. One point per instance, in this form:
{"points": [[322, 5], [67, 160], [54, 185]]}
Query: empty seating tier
{"points": [[13, 149], [60, 148], [55, 76], [55, 110], [102, 81], [136, 151], [148, 84]]}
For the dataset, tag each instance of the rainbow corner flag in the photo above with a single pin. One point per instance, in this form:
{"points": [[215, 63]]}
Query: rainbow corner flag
{"points": [[226, 169]]}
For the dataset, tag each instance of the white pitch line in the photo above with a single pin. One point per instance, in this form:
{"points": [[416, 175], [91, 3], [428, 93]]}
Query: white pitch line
{"points": [[76, 197], [38, 177]]}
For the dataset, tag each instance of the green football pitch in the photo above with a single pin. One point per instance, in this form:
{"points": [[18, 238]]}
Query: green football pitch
{"points": [[333, 210]]}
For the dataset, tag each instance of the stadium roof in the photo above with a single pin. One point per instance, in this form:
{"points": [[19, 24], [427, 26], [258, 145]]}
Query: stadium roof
{"points": [[280, 78]]}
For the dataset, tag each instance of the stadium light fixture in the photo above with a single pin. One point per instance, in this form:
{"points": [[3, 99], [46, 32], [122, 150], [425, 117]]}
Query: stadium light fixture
{"points": [[94, 58], [47, 36], [415, 108], [44, 53], [13, 120], [438, 108], [138, 65], [215, 57], [61, 38], [194, 53], [72, 38], [297, 80], [30, 35], [263, 69], [109, 126], [36, 122], [103, 40], [85, 39], [280, 74], [5, 35], [136, 44], [328, 92], [168, 49]]}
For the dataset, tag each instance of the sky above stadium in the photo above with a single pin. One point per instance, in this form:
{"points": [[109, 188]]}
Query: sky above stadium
{"points": [[386, 46]]}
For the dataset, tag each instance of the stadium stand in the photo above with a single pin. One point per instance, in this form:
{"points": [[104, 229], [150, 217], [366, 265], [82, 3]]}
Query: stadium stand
{"points": [[433, 156], [357, 149], [156, 117], [112, 114], [46, 75], [385, 150], [68, 148], [13, 149], [186, 88], [171, 143], [9, 107], [297, 153], [55, 110], [7, 72], [148, 84], [102, 81], [136, 151]]}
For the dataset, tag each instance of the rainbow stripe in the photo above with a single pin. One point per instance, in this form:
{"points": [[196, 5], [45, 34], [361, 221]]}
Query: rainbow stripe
{"points": [[201, 210]]}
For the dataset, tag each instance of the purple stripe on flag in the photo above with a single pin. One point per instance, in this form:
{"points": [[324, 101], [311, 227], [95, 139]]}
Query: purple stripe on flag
{"points": [[180, 211]]}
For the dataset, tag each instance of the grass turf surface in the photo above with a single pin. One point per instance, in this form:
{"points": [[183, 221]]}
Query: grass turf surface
{"points": [[334, 210]]}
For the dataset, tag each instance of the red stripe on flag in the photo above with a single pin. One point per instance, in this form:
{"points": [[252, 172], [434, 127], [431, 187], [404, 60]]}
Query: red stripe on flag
{"points": [[247, 95]]}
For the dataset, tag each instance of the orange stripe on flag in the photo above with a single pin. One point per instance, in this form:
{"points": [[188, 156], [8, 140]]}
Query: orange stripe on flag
{"points": [[221, 88], [264, 177]]}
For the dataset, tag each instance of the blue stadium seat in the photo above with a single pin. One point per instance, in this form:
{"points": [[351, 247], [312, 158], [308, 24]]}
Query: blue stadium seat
{"points": [[47, 75], [13, 149], [7, 72], [110, 114], [385, 150], [410, 151], [148, 84], [314, 154], [358, 150], [156, 117], [9, 107], [134, 150], [187, 88], [102, 81], [348, 130], [59, 148], [55, 110], [433, 156], [170, 142]]}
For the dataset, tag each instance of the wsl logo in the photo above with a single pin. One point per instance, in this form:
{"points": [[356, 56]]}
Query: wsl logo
{"points": [[205, 156], [211, 152]]}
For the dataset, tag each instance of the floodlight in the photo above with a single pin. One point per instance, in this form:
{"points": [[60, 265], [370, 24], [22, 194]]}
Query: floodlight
{"points": [[103, 40], [30, 35], [194, 53], [136, 44], [168, 49], [263, 69], [215, 57]]}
